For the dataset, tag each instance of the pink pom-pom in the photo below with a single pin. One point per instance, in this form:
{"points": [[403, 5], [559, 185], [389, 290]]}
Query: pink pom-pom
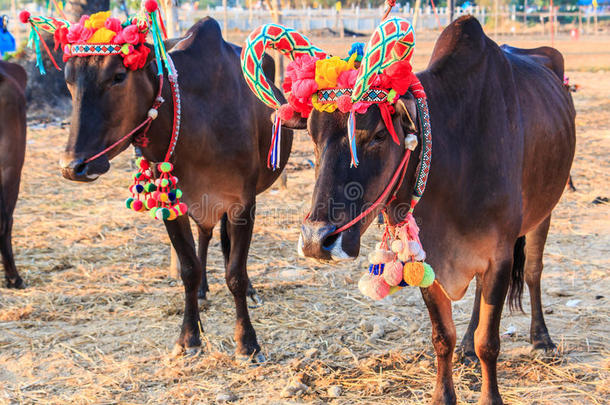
{"points": [[392, 273], [378, 288], [24, 16], [286, 112], [137, 205], [344, 103], [151, 6]]}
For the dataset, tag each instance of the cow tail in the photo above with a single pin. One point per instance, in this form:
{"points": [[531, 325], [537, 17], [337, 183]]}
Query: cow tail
{"points": [[515, 287]]}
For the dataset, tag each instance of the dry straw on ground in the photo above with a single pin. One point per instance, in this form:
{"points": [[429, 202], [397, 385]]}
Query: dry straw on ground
{"points": [[100, 315]]}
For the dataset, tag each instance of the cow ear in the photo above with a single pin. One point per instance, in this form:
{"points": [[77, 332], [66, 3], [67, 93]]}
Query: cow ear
{"points": [[407, 110], [296, 122]]}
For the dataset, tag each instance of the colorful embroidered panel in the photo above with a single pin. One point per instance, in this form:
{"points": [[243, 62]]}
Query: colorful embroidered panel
{"points": [[95, 49]]}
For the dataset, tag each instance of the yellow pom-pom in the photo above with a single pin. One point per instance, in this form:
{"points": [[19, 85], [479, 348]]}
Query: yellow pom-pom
{"points": [[413, 273]]}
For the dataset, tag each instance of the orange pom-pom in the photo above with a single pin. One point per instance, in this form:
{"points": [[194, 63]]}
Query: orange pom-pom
{"points": [[413, 273]]}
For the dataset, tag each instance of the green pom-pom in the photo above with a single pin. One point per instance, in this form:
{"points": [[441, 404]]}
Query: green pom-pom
{"points": [[164, 182], [153, 212], [150, 187], [428, 276], [128, 202], [178, 193], [165, 167]]}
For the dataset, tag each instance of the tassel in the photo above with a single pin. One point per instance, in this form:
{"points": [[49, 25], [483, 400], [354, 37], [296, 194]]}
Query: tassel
{"points": [[351, 135], [168, 195], [273, 158]]}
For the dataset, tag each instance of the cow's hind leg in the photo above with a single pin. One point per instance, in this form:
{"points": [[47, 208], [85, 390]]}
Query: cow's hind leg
{"points": [[205, 235], [179, 231], [8, 198], [443, 339], [466, 351], [225, 244], [534, 250]]}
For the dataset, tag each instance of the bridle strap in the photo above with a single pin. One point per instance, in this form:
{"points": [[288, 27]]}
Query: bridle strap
{"points": [[396, 179], [145, 124]]}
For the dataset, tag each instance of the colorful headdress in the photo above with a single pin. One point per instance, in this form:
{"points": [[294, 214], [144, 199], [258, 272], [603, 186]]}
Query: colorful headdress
{"points": [[101, 34], [315, 80]]}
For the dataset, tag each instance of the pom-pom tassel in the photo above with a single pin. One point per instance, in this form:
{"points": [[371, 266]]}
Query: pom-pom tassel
{"points": [[34, 41], [351, 135], [168, 194]]}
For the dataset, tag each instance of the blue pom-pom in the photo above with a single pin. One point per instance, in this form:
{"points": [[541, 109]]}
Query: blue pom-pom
{"points": [[376, 269], [171, 196], [403, 283], [139, 188]]}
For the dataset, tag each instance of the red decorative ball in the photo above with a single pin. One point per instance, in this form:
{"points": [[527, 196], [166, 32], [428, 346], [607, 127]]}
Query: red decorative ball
{"points": [[151, 6], [344, 103], [137, 205], [24, 16], [286, 112]]}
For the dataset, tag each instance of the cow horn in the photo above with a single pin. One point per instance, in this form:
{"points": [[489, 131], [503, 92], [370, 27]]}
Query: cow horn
{"points": [[274, 36], [392, 41]]}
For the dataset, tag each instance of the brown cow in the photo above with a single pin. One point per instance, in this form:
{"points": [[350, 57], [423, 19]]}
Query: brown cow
{"points": [[503, 143], [12, 151], [220, 157]]}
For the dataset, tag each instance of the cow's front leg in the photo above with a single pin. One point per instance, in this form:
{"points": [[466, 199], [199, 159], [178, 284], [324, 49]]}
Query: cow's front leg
{"points": [[239, 226], [487, 335], [466, 350], [443, 339], [180, 234]]}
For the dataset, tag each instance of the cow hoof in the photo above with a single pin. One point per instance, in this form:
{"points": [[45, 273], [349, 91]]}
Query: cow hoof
{"points": [[467, 357], [179, 351], [15, 283], [545, 350], [253, 359], [256, 299]]}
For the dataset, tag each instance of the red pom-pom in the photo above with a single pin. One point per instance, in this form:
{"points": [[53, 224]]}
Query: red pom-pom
{"points": [[137, 205], [24, 16], [286, 112], [151, 6], [344, 103]]}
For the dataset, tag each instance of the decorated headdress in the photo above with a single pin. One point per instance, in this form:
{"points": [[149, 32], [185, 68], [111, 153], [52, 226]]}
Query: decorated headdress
{"points": [[100, 34], [316, 80]]}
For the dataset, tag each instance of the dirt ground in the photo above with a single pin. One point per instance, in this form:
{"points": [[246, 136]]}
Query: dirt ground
{"points": [[100, 315]]}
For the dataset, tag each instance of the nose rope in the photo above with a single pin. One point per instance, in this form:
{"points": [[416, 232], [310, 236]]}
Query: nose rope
{"points": [[152, 114], [399, 175]]}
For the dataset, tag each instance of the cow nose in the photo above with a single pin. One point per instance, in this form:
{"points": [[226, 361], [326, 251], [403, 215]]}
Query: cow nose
{"points": [[74, 169], [316, 239]]}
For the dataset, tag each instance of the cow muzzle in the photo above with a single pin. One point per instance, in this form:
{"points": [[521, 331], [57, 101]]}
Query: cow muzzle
{"points": [[317, 241], [79, 170]]}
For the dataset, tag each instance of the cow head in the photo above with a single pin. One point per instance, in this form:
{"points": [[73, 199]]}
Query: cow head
{"points": [[358, 113], [108, 101], [342, 192]]}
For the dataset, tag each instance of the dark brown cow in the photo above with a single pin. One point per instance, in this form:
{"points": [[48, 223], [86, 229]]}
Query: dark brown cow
{"points": [[220, 157], [12, 151], [503, 143]]}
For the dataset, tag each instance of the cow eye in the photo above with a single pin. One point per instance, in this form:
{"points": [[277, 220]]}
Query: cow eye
{"points": [[119, 78], [378, 137]]}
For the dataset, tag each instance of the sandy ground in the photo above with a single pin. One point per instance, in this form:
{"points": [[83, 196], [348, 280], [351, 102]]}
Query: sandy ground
{"points": [[100, 315]]}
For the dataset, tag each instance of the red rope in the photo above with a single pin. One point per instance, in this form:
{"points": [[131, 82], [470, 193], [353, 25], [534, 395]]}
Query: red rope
{"points": [[146, 122], [400, 171]]}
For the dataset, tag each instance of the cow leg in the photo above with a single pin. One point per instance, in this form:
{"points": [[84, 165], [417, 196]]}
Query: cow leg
{"points": [[238, 227], [225, 245], [179, 231], [466, 350], [205, 235], [487, 335], [443, 339], [8, 198], [534, 250]]}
